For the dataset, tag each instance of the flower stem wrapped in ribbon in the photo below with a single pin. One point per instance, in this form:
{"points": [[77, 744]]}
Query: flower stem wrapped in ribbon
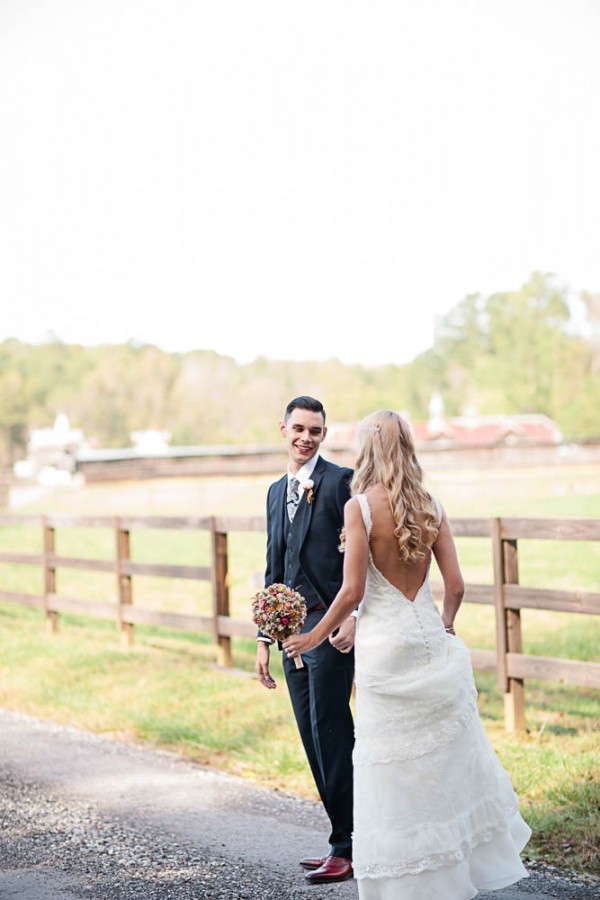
{"points": [[279, 612]]}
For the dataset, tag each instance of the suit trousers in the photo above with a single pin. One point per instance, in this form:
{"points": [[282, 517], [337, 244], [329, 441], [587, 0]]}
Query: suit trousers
{"points": [[320, 693]]}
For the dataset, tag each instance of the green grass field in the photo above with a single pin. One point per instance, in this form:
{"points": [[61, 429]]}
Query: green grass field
{"points": [[167, 692]]}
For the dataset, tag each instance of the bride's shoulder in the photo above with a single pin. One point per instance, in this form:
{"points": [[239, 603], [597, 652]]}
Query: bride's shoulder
{"points": [[358, 513], [439, 510], [356, 508], [355, 503]]}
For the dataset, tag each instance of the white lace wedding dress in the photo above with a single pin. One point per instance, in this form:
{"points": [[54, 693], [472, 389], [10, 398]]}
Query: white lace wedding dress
{"points": [[435, 814]]}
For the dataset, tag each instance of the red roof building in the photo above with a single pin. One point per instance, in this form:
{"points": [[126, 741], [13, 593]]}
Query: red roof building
{"points": [[472, 431]]}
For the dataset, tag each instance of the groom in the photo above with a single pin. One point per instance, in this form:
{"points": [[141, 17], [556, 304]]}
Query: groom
{"points": [[305, 514]]}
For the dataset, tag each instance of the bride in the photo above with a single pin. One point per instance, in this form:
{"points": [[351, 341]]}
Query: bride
{"points": [[434, 811]]}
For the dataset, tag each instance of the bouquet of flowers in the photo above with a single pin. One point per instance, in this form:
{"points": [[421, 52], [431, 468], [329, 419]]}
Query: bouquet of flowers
{"points": [[279, 612]]}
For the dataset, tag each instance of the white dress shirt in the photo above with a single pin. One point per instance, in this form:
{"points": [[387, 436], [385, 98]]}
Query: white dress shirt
{"points": [[304, 474]]}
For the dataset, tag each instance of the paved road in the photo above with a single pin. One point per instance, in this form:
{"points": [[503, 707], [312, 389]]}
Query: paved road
{"points": [[84, 817]]}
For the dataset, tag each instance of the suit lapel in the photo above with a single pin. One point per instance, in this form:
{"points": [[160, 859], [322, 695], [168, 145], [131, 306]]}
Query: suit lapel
{"points": [[280, 512]]}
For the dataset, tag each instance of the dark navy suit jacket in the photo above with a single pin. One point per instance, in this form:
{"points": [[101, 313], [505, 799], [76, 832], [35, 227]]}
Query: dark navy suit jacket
{"points": [[319, 572]]}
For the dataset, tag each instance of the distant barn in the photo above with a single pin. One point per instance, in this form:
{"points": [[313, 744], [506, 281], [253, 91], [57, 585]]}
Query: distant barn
{"points": [[468, 441]]}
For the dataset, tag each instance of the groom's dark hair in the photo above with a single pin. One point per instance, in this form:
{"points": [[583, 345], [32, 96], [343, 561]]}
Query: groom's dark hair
{"points": [[308, 403]]}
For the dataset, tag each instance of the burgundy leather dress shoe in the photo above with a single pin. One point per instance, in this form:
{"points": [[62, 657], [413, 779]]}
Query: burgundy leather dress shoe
{"points": [[312, 863], [334, 868]]}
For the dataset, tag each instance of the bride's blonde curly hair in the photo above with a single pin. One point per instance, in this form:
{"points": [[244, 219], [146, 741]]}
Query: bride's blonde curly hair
{"points": [[386, 456]]}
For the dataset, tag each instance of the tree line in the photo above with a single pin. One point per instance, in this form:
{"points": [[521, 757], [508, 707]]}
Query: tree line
{"points": [[506, 353]]}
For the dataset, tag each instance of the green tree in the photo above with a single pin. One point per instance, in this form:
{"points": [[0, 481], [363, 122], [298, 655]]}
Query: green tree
{"points": [[528, 344], [511, 352]]}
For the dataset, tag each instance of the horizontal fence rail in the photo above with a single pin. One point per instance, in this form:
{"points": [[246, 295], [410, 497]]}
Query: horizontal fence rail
{"points": [[510, 665]]}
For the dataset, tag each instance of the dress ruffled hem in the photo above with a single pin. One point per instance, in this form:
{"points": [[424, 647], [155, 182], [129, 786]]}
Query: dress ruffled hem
{"points": [[490, 865]]}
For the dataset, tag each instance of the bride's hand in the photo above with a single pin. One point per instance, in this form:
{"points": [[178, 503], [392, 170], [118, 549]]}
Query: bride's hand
{"points": [[297, 644]]}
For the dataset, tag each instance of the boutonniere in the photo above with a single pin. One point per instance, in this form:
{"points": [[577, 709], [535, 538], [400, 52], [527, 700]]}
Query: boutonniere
{"points": [[310, 492]]}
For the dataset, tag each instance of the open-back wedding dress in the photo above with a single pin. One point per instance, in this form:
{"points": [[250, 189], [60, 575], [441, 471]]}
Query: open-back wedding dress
{"points": [[436, 817]]}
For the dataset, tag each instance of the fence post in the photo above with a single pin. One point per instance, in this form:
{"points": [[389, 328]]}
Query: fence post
{"points": [[220, 592], [508, 628], [501, 644], [124, 587], [514, 698], [49, 548]]}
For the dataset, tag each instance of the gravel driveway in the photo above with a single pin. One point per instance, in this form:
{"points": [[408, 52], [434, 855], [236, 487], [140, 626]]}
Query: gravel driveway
{"points": [[86, 817]]}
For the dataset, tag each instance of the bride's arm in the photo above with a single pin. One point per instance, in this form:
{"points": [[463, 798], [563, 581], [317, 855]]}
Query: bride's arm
{"points": [[444, 550], [356, 558]]}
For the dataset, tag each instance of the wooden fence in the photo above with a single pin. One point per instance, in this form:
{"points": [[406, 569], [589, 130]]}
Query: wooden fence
{"points": [[508, 661]]}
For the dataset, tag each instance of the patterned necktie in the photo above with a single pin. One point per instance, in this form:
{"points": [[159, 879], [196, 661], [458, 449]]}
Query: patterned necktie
{"points": [[293, 498]]}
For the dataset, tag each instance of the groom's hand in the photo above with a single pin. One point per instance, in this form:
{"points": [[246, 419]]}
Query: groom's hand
{"points": [[263, 653], [343, 640]]}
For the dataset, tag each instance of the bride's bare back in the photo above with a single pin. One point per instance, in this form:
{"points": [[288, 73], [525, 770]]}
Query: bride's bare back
{"points": [[406, 577]]}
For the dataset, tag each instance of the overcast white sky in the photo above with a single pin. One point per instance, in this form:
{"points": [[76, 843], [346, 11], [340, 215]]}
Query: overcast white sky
{"points": [[296, 180]]}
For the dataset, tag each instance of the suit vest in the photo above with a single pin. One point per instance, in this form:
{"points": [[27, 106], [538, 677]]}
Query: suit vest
{"points": [[294, 575]]}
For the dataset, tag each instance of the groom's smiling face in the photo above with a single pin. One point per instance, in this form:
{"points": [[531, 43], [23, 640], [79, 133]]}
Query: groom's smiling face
{"points": [[304, 432]]}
